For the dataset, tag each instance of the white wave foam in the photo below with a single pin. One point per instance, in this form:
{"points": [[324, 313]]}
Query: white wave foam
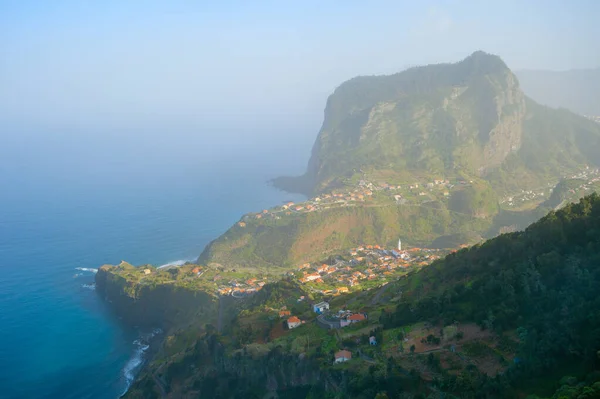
{"points": [[87, 269], [134, 364], [177, 263], [89, 286]]}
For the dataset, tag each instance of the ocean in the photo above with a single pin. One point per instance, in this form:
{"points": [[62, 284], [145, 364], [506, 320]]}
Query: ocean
{"points": [[72, 200]]}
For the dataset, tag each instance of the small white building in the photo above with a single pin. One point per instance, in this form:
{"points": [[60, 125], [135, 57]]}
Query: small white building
{"points": [[321, 307], [343, 356], [293, 322]]}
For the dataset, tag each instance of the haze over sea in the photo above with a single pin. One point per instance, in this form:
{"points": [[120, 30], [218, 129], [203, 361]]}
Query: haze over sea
{"points": [[72, 200]]}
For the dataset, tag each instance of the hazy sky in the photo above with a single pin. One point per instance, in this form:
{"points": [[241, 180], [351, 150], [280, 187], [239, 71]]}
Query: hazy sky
{"points": [[135, 63]]}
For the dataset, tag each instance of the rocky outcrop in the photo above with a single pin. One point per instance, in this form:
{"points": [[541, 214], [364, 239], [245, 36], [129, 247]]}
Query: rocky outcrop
{"points": [[467, 118], [164, 305]]}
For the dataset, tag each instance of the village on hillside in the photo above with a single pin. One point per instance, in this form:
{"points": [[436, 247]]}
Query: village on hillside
{"points": [[359, 268], [363, 193], [373, 193], [588, 177], [363, 267], [370, 266]]}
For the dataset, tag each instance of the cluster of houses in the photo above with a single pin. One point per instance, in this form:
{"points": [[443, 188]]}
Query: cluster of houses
{"points": [[324, 201], [523, 196], [362, 192], [370, 262], [340, 319], [239, 289], [365, 263], [588, 176]]}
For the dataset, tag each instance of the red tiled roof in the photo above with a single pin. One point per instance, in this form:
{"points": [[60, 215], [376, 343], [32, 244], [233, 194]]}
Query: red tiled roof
{"points": [[343, 353], [357, 317]]}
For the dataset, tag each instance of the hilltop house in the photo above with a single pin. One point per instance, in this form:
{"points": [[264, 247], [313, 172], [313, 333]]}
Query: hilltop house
{"points": [[293, 322], [342, 356], [283, 313], [355, 318], [320, 307]]}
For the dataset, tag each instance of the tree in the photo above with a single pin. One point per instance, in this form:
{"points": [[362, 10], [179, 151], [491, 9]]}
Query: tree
{"points": [[412, 348]]}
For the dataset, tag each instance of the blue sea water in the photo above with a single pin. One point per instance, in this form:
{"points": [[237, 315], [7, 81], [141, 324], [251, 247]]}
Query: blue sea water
{"points": [[71, 201]]}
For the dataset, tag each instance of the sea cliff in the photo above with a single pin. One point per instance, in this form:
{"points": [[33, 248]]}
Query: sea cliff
{"points": [[150, 297]]}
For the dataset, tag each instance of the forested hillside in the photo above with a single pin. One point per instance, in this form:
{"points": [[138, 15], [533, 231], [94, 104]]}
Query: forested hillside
{"points": [[516, 316], [542, 284]]}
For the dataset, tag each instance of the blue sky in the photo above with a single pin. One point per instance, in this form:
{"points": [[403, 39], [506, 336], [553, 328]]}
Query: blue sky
{"points": [[131, 63]]}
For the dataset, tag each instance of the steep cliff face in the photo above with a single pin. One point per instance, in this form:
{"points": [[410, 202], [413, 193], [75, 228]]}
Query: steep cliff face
{"points": [[164, 305], [206, 370], [469, 118]]}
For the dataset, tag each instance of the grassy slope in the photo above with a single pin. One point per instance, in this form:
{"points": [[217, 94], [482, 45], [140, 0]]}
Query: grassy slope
{"points": [[310, 236]]}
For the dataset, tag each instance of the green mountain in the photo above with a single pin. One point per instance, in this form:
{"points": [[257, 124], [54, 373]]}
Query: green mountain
{"points": [[468, 119], [576, 90], [516, 316], [467, 154]]}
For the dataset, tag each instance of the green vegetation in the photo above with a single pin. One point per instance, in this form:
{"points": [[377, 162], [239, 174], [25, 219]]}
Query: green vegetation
{"points": [[307, 237], [542, 282], [478, 199], [506, 318], [163, 298]]}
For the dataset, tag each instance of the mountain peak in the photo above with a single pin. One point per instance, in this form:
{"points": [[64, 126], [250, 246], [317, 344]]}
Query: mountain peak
{"points": [[486, 63]]}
